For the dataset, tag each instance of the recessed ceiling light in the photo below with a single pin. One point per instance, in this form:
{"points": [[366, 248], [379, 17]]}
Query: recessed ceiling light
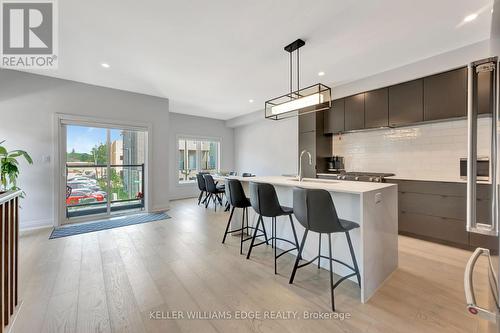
{"points": [[321, 73], [250, 101], [470, 17], [105, 65]]}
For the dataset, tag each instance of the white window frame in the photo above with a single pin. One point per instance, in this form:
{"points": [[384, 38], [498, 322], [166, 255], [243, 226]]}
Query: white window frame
{"points": [[59, 153], [198, 140]]}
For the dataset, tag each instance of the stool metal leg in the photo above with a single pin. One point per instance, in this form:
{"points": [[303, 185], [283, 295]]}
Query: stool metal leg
{"points": [[272, 233], [299, 256], [254, 236], [242, 228], [228, 224], [319, 251], [207, 200], [265, 233], [274, 238], [351, 249], [294, 233], [331, 270]]}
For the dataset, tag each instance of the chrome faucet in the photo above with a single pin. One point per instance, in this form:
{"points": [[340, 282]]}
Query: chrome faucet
{"points": [[300, 163]]}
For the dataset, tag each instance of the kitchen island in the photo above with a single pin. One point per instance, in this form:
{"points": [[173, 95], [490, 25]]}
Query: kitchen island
{"points": [[374, 206]]}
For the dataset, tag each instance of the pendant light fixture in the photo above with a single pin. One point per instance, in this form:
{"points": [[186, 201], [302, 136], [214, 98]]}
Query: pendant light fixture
{"points": [[302, 101]]}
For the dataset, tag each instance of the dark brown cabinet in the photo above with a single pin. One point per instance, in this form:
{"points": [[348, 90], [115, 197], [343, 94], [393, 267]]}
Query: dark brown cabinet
{"points": [[445, 95], [334, 118], [307, 122], [436, 211], [436, 97], [313, 139], [484, 92], [354, 112], [377, 108], [406, 104], [307, 141]]}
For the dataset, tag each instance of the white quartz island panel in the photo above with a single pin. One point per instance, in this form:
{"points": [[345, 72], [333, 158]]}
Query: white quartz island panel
{"points": [[374, 206]]}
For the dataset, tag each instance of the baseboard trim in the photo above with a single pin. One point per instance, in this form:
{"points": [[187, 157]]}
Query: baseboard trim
{"points": [[36, 224]]}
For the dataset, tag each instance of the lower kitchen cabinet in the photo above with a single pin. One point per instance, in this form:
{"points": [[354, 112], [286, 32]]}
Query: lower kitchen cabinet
{"points": [[436, 211]]}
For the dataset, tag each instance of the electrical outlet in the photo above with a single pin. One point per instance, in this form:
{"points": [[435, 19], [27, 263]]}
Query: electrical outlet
{"points": [[378, 197]]}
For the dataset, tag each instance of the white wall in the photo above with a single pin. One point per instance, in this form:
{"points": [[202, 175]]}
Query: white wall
{"points": [[27, 106], [181, 124], [267, 147], [439, 63]]}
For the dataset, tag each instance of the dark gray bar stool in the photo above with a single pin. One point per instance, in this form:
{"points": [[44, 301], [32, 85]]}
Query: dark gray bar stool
{"points": [[265, 202], [237, 199], [314, 209]]}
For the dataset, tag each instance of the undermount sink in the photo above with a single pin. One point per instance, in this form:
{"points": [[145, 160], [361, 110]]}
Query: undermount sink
{"points": [[310, 180]]}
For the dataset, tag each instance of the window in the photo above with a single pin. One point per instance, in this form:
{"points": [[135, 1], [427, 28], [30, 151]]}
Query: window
{"points": [[197, 155]]}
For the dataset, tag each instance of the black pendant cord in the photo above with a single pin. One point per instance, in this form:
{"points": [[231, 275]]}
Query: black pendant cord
{"points": [[291, 75], [298, 85]]}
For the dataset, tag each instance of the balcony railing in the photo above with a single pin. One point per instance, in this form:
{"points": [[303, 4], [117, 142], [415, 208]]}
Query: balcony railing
{"points": [[9, 235], [90, 187]]}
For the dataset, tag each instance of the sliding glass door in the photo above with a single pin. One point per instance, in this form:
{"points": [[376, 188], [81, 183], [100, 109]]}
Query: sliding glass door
{"points": [[104, 169]]}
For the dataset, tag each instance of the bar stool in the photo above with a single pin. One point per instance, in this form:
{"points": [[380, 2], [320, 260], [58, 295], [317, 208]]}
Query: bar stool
{"points": [[265, 202], [314, 209], [237, 199], [213, 191]]}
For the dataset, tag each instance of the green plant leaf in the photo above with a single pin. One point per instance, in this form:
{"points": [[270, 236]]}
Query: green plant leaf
{"points": [[3, 151], [17, 153]]}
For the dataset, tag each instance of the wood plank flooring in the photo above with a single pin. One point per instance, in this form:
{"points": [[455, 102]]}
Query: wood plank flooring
{"points": [[111, 281]]}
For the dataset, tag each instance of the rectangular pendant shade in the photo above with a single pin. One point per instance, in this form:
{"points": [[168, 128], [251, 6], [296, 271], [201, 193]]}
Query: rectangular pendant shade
{"points": [[311, 99]]}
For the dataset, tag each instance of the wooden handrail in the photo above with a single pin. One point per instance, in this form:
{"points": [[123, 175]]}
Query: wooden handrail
{"points": [[9, 261]]}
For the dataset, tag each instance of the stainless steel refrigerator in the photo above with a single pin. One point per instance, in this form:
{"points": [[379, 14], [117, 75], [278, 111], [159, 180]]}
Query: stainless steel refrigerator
{"points": [[482, 294]]}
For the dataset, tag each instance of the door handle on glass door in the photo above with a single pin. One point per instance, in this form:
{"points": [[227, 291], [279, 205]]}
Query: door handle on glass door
{"points": [[470, 296]]}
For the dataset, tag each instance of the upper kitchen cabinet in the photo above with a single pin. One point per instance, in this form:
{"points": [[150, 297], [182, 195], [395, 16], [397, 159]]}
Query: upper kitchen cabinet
{"points": [[445, 95], [334, 118], [307, 122], [406, 105], [354, 112], [484, 92], [377, 108]]}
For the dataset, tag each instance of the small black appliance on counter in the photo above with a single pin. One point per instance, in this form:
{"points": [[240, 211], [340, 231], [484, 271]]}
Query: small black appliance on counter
{"points": [[335, 164]]}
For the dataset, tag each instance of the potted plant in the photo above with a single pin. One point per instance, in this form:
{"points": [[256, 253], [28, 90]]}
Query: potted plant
{"points": [[9, 167]]}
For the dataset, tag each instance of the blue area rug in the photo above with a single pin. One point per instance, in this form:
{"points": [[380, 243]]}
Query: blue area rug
{"points": [[114, 222]]}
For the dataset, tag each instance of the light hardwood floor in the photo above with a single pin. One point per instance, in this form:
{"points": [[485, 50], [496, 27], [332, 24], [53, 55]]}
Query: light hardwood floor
{"points": [[109, 281]]}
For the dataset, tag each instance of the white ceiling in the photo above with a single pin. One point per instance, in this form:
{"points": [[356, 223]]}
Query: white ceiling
{"points": [[210, 57]]}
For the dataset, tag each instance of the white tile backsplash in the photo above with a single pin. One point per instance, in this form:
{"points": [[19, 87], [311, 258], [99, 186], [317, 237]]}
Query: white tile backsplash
{"points": [[427, 151]]}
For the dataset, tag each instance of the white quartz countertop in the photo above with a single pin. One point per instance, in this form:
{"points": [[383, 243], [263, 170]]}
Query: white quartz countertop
{"points": [[344, 186]]}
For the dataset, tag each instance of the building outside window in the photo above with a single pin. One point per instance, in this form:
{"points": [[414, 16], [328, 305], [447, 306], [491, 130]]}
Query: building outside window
{"points": [[197, 155]]}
